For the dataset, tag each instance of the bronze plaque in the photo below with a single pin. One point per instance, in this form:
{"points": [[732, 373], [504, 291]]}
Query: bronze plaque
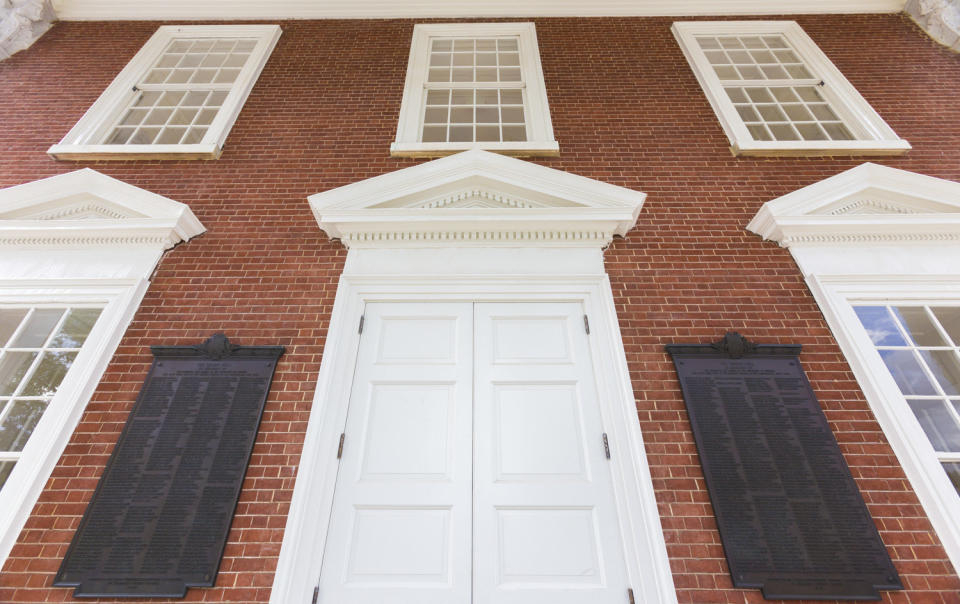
{"points": [[158, 521], [791, 518]]}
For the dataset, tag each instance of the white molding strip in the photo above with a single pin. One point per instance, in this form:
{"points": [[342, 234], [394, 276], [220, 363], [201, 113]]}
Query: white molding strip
{"points": [[116, 10]]}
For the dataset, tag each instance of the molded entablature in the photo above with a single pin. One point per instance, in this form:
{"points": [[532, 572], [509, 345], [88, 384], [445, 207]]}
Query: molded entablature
{"points": [[867, 204], [88, 209], [477, 198]]}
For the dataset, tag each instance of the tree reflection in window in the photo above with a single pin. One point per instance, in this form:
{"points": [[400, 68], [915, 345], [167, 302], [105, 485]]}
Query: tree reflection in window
{"points": [[37, 347]]}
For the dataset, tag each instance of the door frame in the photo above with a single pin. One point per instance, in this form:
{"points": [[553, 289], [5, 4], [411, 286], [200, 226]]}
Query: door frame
{"points": [[645, 555]]}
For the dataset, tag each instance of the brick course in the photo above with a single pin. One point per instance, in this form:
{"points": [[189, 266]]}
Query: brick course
{"points": [[626, 109]]}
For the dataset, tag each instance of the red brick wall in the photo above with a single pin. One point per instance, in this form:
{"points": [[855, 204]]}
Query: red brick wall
{"points": [[626, 110]]}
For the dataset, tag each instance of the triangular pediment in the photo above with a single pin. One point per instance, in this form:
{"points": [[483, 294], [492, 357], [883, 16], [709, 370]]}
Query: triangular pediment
{"points": [[867, 203], [86, 207], [477, 197]]}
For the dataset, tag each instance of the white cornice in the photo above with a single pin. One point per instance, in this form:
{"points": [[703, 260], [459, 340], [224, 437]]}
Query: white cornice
{"points": [[904, 207], [518, 202], [42, 214], [91, 10]]}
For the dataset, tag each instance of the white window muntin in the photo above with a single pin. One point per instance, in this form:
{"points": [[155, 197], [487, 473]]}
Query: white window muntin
{"points": [[812, 72], [838, 296], [139, 80], [538, 131]]}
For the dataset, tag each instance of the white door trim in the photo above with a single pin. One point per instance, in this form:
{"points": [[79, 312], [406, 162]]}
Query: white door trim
{"points": [[304, 540]]}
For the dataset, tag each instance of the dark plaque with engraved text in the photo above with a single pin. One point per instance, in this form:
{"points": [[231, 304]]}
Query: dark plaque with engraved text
{"points": [[791, 518], [158, 521]]}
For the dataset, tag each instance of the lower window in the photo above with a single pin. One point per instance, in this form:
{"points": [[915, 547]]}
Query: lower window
{"points": [[920, 346], [38, 345]]}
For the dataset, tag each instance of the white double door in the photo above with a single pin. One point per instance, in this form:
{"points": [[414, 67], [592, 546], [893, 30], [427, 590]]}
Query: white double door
{"points": [[473, 465]]}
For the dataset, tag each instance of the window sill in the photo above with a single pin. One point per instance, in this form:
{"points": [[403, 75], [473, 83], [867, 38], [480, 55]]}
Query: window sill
{"points": [[525, 149], [819, 148], [134, 152]]}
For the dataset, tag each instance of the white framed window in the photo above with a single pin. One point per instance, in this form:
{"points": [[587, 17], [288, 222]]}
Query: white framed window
{"points": [[920, 346], [178, 97], [474, 86], [776, 93], [878, 248], [38, 345], [76, 254]]}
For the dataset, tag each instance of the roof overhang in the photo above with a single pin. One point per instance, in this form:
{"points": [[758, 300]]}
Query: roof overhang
{"points": [[95, 10]]}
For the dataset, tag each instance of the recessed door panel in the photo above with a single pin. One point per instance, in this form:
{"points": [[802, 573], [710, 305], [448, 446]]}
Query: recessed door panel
{"points": [[400, 529], [545, 523]]}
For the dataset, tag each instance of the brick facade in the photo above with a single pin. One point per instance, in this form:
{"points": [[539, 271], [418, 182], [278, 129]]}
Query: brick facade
{"points": [[626, 109]]}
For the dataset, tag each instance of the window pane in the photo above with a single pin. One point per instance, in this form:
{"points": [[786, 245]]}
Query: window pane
{"points": [[906, 371], [19, 424], [46, 379], [76, 328], [938, 423], [879, 325], [9, 320], [5, 468], [953, 472], [38, 328], [918, 325], [945, 367], [13, 366], [949, 317]]}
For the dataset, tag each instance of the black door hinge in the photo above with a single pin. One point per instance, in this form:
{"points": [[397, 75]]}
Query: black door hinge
{"points": [[629, 596], [606, 446], [316, 592], [586, 324], [360, 329], [343, 435]]}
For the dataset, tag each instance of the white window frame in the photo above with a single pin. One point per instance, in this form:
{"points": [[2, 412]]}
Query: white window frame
{"points": [[540, 140], [49, 438], [837, 295], [81, 142], [874, 136]]}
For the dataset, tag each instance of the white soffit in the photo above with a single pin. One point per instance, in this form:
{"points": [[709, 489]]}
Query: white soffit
{"points": [[85, 208], [477, 197], [89, 10], [866, 204]]}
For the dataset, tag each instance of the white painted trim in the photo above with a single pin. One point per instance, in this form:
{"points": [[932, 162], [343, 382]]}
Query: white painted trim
{"points": [[874, 135], [132, 216], [305, 535], [84, 139], [536, 108], [80, 10], [56, 426], [835, 294], [910, 208], [522, 202]]}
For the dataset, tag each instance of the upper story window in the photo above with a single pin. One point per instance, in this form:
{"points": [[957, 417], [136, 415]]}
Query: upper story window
{"points": [[475, 85], [178, 97], [776, 93]]}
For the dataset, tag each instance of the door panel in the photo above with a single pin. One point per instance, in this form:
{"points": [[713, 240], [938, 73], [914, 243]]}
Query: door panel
{"points": [[545, 524], [402, 507]]}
